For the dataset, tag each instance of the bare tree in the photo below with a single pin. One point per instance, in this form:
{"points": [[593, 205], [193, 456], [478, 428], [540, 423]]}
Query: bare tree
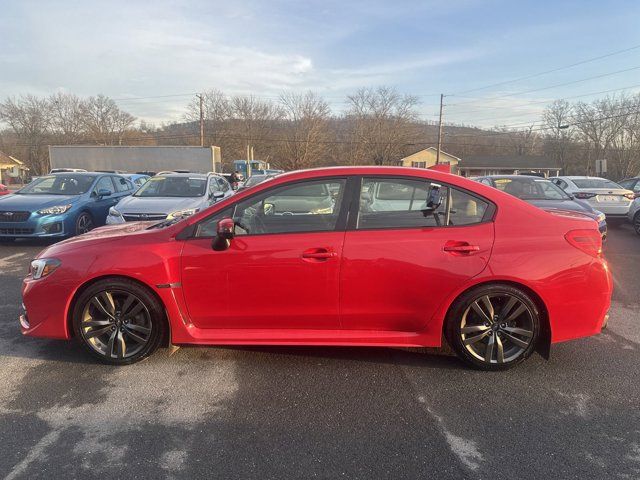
{"points": [[67, 120], [30, 118], [105, 123], [383, 123], [306, 130], [598, 123], [557, 119]]}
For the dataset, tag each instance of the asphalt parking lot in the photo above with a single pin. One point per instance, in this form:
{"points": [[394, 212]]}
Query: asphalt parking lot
{"points": [[322, 412]]}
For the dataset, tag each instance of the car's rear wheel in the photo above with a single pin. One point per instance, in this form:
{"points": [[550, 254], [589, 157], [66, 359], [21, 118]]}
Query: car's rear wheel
{"points": [[118, 321], [84, 223], [636, 223], [493, 327]]}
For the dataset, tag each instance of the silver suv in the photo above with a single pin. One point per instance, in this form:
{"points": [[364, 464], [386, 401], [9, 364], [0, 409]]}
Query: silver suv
{"points": [[170, 195]]}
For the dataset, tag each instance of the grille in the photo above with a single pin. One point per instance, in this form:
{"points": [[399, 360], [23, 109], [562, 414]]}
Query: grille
{"points": [[138, 217], [16, 231], [14, 216]]}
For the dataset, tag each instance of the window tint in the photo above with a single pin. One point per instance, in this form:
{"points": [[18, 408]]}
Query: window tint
{"points": [[59, 185], [402, 203], [304, 207], [105, 183], [209, 226], [122, 184]]}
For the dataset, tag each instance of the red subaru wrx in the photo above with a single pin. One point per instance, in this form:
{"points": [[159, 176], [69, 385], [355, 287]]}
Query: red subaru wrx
{"points": [[376, 256]]}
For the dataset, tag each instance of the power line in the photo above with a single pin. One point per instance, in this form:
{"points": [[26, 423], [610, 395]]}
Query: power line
{"points": [[555, 86], [539, 74]]}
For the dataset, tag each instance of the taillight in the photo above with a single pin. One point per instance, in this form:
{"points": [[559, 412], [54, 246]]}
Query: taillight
{"points": [[589, 241], [630, 196], [584, 195]]}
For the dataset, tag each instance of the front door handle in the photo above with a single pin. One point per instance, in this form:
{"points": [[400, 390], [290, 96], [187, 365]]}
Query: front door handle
{"points": [[460, 248], [318, 254]]}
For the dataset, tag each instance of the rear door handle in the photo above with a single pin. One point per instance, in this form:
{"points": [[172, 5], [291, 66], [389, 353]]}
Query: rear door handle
{"points": [[460, 248], [318, 254]]}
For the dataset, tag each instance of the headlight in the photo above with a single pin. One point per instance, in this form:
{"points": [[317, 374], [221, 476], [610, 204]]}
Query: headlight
{"points": [[42, 267], [57, 210], [114, 213], [182, 213]]}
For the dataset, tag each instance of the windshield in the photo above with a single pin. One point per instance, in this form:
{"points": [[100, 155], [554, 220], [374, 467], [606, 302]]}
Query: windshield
{"points": [[69, 184], [528, 188], [594, 183], [255, 180], [173, 187]]}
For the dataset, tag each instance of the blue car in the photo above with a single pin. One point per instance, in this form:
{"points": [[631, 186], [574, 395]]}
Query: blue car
{"points": [[61, 205], [138, 179]]}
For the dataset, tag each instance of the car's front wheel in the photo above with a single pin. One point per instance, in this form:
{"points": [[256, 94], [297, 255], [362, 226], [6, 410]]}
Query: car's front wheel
{"points": [[493, 327], [118, 321], [84, 223]]}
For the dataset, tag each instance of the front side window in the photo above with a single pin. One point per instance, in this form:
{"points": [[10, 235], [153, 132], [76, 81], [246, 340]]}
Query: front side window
{"points": [[105, 183], [311, 206], [407, 203]]}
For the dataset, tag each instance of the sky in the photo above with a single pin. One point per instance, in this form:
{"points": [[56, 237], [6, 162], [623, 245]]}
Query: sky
{"points": [[127, 49]]}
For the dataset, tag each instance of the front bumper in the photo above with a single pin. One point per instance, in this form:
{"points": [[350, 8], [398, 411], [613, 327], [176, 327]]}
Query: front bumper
{"points": [[45, 303], [38, 226]]}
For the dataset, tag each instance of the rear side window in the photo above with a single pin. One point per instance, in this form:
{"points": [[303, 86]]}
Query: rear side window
{"points": [[406, 203], [122, 184]]}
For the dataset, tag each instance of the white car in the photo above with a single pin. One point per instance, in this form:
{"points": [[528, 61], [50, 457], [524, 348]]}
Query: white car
{"points": [[602, 194]]}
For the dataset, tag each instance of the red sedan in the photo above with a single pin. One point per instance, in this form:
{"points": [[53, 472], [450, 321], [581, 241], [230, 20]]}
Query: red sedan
{"points": [[375, 256]]}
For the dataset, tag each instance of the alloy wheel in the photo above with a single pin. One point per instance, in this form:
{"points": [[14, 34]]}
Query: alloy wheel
{"points": [[84, 224], [497, 328], [116, 324]]}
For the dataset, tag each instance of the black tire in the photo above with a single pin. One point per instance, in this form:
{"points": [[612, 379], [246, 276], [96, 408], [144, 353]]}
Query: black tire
{"points": [[103, 331], [84, 223], [499, 342], [636, 222]]}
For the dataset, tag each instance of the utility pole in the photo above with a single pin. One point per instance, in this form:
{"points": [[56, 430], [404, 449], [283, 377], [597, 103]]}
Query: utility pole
{"points": [[439, 131], [201, 98]]}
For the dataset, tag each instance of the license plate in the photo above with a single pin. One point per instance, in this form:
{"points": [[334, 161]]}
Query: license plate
{"points": [[608, 198]]}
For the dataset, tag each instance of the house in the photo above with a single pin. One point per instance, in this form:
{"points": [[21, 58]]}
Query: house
{"points": [[12, 170], [427, 158], [481, 165]]}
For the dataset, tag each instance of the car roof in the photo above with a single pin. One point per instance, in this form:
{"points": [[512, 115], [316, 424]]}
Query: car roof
{"points": [[527, 177], [80, 174], [202, 176]]}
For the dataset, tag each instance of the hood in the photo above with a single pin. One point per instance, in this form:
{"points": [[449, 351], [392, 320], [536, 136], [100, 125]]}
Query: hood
{"points": [[97, 236], [566, 205], [17, 202], [163, 205]]}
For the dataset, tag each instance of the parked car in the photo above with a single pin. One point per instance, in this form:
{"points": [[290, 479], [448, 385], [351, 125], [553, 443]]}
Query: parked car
{"points": [[4, 190], [137, 179], [498, 276], [254, 180], [544, 194], [67, 170], [632, 184], [634, 215], [603, 195], [170, 195], [61, 205]]}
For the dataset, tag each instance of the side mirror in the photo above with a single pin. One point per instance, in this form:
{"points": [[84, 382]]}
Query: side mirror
{"points": [[225, 231], [103, 192], [215, 196]]}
